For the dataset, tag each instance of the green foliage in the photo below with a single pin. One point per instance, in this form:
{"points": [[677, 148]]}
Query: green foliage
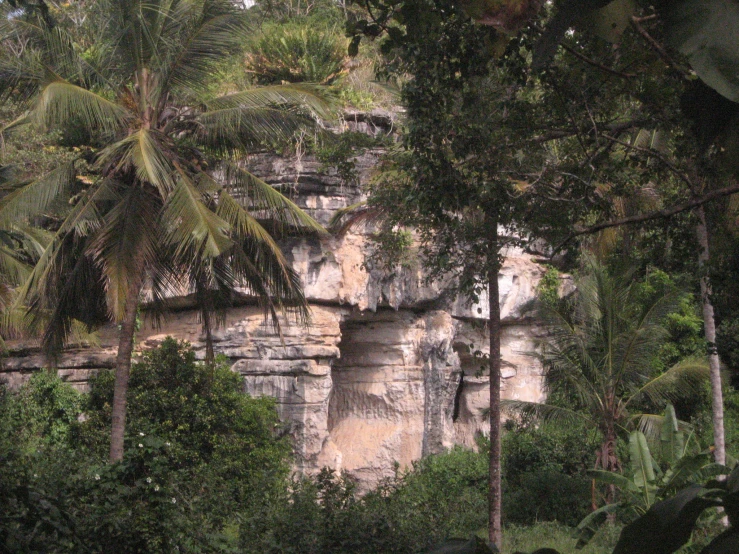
{"points": [[547, 291], [546, 495], [474, 545], [519, 539], [599, 359], [703, 423], [212, 425], [544, 473], [44, 411], [140, 504], [340, 153], [200, 457], [727, 342], [394, 247], [645, 482], [684, 325], [296, 52], [441, 496]]}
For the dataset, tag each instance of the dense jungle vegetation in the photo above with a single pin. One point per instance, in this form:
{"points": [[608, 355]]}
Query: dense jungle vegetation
{"points": [[598, 135]]}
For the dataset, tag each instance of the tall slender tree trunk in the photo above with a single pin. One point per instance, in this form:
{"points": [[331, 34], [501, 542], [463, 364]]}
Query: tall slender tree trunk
{"points": [[709, 324], [495, 533], [123, 366], [608, 459]]}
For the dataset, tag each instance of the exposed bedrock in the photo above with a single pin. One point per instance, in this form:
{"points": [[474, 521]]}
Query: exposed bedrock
{"points": [[387, 370]]}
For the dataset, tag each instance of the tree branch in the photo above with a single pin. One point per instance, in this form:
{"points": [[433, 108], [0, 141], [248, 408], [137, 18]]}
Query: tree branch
{"points": [[599, 65], [657, 214], [657, 154], [657, 47]]}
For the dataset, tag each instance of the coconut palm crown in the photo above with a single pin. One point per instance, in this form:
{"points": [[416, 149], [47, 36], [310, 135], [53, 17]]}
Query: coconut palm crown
{"points": [[168, 206], [600, 350]]}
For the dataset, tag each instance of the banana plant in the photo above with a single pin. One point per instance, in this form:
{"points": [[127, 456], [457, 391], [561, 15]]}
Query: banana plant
{"points": [[645, 483], [668, 525]]}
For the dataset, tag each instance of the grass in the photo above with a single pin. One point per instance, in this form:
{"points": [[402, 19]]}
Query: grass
{"points": [[557, 536]]}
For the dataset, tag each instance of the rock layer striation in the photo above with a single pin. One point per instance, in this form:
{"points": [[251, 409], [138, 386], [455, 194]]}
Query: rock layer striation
{"points": [[389, 368]]}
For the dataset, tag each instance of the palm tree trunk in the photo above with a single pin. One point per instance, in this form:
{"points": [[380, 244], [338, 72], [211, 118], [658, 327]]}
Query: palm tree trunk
{"points": [[123, 366], [709, 324], [610, 459], [495, 533]]}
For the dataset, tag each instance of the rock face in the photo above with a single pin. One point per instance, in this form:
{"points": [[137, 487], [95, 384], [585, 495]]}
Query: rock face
{"points": [[385, 372]]}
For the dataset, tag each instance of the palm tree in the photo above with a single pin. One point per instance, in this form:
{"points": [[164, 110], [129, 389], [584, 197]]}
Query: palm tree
{"points": [[21, 245], [599, 353], [168, 206]]}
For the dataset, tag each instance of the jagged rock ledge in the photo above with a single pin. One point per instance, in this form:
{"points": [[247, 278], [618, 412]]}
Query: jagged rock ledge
{"points": [[383, 374]]}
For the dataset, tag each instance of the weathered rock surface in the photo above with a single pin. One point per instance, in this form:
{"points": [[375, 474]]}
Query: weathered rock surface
{"points": [[386, 372]]}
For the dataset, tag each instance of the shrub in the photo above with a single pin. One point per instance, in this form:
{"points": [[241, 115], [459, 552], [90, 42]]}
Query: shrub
{"points": [[441, 496], [199, 454], [35, 465], [546, 495], [297, 52], [216, 431], [44, 412], [544, 473]]}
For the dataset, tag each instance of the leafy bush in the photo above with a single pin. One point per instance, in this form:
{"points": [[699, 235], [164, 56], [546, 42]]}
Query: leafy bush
{"points": [[200, 453], [213, 427], [440, 496], [32, 519], [546, 495], [44, 411], [297, 52], [544, 473]]}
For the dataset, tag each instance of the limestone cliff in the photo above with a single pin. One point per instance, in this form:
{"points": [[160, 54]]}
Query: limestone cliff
{"points": [[383, 374]]}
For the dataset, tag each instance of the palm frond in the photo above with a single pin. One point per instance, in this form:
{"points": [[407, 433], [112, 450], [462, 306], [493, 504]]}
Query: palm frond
{"points": [[636, 348], [276, 287], [353, 215], [685, 378], [78, 297], [83, 218], [243, 225], [652, 425], [144, 152], [220, 31], [13, 269], [126, 242], [60, 104], [36, 197], [265, 202], [192, 226], [317, 100], [239, 129], [544, 412]]}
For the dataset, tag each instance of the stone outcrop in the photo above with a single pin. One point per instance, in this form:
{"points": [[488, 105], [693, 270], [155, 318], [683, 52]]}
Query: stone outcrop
{"points": [[386, 372]]}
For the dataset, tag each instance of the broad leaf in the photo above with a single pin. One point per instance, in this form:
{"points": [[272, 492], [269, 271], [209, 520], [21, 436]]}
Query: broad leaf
{"points": [[666, 526], [616, 479], [642, 465], [672, 440], [589, 526], [706, 32], [610, 22]]}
